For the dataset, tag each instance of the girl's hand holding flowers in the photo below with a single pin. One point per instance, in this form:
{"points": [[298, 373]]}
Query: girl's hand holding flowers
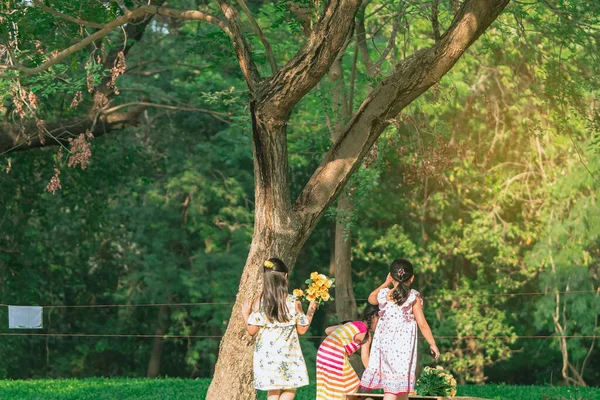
{"points": [[318, 289]]}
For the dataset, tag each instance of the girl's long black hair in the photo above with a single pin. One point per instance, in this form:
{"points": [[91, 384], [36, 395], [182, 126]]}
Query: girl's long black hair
{"points": [[401, 271], [368, 314], [275, 290]]}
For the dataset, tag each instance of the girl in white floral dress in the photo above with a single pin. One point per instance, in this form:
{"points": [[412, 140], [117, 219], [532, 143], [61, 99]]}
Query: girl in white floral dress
{"points": [[276, 319], [393, 357]]}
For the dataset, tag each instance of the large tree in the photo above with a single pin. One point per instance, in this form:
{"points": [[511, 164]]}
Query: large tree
{"points": [[282, 224]]}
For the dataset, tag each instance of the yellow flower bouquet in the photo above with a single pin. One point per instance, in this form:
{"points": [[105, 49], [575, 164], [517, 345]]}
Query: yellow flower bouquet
{"points": [[317, 290], [436, 382]]}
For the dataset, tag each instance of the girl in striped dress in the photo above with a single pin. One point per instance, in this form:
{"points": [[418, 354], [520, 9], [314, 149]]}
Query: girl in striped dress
{"points": [[335, 375]]}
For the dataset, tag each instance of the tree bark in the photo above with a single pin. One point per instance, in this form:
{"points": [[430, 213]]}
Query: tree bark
{"points": [[159, 343]]}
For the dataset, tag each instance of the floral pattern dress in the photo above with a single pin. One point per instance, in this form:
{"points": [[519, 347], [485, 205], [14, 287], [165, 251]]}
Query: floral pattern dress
{"points": [[278, 359], [393, 358]]}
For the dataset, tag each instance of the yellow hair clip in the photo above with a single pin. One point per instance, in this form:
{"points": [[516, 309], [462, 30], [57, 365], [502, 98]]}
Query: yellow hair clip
{"points": [[269, 264]]}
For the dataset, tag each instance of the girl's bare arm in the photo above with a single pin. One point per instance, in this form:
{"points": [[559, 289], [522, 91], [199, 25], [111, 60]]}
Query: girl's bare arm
{"points": [[247, 308], [373, 296], [424, 327], [331, 329], [365, 351], [302, 329]]}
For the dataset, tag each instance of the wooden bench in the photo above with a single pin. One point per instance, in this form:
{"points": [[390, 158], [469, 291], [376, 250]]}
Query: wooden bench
{"points": [[369, 396]]}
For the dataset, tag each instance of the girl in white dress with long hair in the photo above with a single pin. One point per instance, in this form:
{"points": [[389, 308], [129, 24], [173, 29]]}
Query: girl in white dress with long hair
{"points": [[276, 319]]}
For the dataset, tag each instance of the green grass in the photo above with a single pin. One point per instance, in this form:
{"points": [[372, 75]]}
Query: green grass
{"points": [[168, 389]]}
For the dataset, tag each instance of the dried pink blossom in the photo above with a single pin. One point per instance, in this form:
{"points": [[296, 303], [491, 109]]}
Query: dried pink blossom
{"points": [[80, 151], [118, 69], [38, 47], [89, 80], [17, 95], [100, 100], [33, 102], [54, 183], [41, 127], [78, 98]]}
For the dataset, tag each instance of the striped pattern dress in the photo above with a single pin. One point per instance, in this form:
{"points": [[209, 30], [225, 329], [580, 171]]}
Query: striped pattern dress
{"points": [[335, 375]]}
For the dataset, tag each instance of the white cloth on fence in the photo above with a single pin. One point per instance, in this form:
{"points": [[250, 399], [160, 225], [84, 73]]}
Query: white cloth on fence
{"points": [[24, 317]]}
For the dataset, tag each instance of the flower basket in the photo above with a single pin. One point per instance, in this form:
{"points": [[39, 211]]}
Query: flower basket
{"points": [[436, 382]]}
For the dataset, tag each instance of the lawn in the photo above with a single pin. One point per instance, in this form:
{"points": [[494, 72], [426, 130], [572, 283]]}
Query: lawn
{"points": [[167, 389]]}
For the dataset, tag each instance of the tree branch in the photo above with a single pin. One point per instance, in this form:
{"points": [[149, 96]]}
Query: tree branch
{"points": [[361, 37], [241, 47], [312, 61], [109, 27], [435, 23], [10, 251], [411, 78], [261, 36], [66, 17], [60, 131], [189, 15], [77, 46], [391, 43], [215, 114], [107, 120]]}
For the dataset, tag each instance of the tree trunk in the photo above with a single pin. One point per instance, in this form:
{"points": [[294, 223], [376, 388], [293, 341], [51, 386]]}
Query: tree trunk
{"points": [[345, 302], [159, 343], [278, 232]]}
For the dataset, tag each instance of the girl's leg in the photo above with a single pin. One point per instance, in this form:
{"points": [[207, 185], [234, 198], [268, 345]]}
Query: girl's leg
{"points": [[273, 394], [288, 394], [402, 397]]}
